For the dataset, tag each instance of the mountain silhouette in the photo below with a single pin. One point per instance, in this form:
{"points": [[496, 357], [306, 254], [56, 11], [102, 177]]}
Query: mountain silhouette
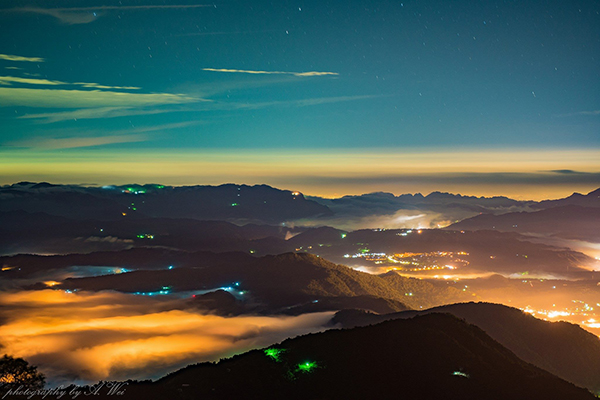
{"points": [[561, 348], [569, 221], [280, 283], [260, 203]]}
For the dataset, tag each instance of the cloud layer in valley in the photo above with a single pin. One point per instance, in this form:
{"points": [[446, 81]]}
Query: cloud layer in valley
{"points": [[84, 337]]}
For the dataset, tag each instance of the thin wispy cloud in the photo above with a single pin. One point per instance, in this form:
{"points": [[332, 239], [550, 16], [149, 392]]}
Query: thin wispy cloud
{"points": [[96, 113], [464, 178], [99, 86], [8, 80], [85, 15], [115, 112], [9, 57], [59, 98], [593, 112], [94, 138], [243, 71], [142, 7], [228, 32], [329, 100], [291, 103], [71, 143]]}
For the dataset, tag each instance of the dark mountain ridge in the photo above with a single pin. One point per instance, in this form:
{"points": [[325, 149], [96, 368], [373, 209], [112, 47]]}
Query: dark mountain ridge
{"points": [[259, 203], [566, 221], [561, 348], [279, 283]]}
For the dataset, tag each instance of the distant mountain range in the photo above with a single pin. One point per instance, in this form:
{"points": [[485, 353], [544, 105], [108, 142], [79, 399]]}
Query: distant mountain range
{"points": [[592, 199], [487, 251], [260, 203], [435, 356], [387, 203], [225, 202], [565, 221], [561, 348]]}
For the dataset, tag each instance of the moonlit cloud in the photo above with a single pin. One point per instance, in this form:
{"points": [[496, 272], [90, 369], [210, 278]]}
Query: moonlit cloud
{"points": [[8, 80], [328, 100], [9, 57], [289, 103], [115, 112], [57, 98], [95, 113], [85, 15], [98, 86], [96, 138], [228, 32], [74, 142], [108, 336], [143, 7], [593, 112], [242, 71], [466, 178], [400, 219]]}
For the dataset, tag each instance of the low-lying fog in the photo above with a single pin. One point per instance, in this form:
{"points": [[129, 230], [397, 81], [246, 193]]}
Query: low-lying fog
{"points": [[85, 337]]}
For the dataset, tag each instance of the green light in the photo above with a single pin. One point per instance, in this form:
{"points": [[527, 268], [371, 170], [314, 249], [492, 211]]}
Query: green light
{"points": [[307, 366], [343, 236], [234, 204], [458, 373], [275, 354]]}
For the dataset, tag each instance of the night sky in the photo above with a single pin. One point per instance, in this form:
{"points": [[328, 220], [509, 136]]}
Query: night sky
{"points": [[326, 97]]}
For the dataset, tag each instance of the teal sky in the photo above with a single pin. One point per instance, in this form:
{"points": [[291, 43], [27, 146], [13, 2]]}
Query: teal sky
{"points": [[93, 81]]}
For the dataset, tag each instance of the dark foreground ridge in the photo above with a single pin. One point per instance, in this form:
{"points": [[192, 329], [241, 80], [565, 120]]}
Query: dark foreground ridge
{"points": [[562, 348], [435, 356]]}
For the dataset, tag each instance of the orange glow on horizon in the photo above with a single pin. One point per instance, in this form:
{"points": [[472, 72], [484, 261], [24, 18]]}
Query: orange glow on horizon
{"points": [[327, 173]]}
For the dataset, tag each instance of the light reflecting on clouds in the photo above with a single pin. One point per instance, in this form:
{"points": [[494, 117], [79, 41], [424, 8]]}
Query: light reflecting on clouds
{"points": [[86, 337]]}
